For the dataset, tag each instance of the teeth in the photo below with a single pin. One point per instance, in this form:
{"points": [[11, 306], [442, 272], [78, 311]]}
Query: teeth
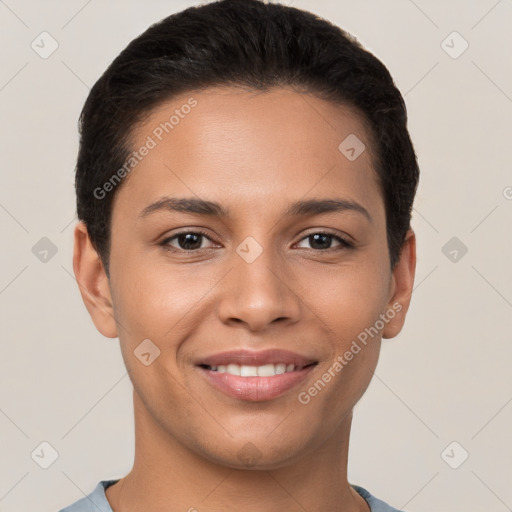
{"points": [[249, 371], [280, 368], [233, 369], [266, 370]]}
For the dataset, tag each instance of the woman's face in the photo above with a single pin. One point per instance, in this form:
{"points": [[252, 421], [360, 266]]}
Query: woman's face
{"points": [[267, 266]]}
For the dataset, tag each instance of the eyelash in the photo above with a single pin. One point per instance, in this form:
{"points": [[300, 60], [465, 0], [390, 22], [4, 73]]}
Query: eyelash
{"points": [[345, 244]]}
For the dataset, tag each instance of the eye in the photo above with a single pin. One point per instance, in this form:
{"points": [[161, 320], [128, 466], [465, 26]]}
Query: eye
{"points": [[322, 241], [186, 241], [189, 241]]}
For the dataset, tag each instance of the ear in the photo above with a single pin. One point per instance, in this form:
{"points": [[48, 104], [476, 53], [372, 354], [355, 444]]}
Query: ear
{"points": [[401, 285], [93, 283]]}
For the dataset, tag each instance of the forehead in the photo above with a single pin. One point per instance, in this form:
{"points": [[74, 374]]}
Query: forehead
{"points": [[278, 117], [250, 145]]}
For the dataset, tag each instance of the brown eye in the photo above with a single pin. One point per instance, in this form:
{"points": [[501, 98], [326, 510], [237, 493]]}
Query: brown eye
{"points": [[185, 241], [323, 241]]}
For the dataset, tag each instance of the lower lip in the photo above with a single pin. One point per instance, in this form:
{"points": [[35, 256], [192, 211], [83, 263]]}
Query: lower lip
{"points": [[255, 389]]}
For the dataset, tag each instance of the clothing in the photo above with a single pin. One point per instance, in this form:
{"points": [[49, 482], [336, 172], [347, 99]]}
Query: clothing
{"points": [[96, 501]]}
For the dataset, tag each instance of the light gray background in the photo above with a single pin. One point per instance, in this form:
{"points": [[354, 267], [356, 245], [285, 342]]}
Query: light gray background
{"points": [[445, 378]]}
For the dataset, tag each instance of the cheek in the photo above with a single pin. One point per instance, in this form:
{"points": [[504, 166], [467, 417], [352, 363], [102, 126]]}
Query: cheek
{"points": [[349, 298], [158, 301], [349, 303]]}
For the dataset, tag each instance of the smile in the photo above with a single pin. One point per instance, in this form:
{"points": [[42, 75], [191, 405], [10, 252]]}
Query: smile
{"points": [[271, 374], [266, 370]]}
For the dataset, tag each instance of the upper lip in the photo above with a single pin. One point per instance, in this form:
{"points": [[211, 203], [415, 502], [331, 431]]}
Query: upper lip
{"points": [[256, 358]]}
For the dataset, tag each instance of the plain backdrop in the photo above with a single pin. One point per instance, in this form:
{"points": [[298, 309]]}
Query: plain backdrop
{"points": [[433, 430]]}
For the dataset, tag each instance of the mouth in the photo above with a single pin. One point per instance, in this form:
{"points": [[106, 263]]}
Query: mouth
{"points": [[255, 376], [266, 370]]}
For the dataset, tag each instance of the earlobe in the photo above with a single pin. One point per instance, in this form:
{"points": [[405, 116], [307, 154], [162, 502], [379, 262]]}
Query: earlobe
{"points": [[402, 282], [93, 283]]}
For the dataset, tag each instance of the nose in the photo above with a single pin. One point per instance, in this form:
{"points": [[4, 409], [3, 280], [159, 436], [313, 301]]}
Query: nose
{"points": [[260, 293]]}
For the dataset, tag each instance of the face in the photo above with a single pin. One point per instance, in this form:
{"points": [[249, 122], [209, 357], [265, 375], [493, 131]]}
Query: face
{"points": [[278, 262]]}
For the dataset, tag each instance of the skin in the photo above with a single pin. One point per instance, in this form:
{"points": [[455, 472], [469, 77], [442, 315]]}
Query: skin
{"points": [[253, 153]]}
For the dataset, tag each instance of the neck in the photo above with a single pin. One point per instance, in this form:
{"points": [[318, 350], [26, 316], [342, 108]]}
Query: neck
{"points": [[167, 475]]}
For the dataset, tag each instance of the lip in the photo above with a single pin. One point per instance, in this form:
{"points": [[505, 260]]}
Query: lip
{"points": [[256, 389], [256, 358]]}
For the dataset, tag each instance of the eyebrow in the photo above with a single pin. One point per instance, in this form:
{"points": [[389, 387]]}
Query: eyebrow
{"points": [[298, 208]]}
